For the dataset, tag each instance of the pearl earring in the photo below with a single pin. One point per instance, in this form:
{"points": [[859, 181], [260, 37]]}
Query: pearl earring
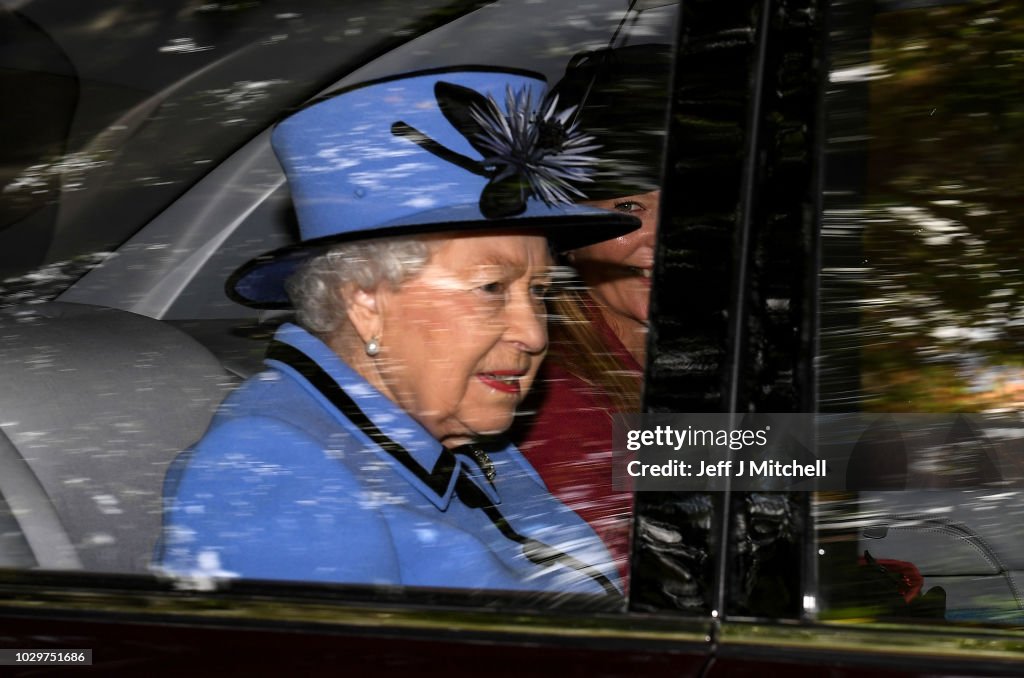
{"points": [[373, 347]]}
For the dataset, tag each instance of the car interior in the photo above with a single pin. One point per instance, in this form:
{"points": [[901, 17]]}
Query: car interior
{"points": [[97, 403], [124, 368], [107, 381]]}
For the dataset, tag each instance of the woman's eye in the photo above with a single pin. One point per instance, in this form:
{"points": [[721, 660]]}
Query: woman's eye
{"points": [[542, 292], [493, 289], [628, 206]]}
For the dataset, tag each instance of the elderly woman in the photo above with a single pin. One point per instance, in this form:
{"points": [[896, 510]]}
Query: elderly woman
{"points": [[598, 346], [369, 451]]}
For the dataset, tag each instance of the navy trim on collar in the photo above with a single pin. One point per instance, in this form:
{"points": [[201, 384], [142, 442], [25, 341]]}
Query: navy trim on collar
{"points": [[449, 476], [440, 479]]}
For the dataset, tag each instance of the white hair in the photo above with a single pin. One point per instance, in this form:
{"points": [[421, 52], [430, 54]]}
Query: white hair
{"points": [[315, 288]]}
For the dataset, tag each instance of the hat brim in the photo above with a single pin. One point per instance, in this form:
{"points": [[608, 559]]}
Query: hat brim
{"points": [[260, 282]]}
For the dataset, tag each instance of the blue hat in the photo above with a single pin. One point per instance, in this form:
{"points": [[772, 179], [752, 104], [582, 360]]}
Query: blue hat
{"points": [[467, 149]]}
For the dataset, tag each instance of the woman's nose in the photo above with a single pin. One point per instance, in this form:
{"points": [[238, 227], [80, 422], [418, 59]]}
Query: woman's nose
{"points": [[649, 221], [527, 325], [648, 230]]}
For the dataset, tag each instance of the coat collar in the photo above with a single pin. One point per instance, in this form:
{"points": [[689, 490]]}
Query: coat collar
{"points": [[420, 459]]}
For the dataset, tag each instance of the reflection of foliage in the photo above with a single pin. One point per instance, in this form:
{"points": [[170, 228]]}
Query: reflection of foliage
{"points": [[46, 282], [672, 559], [944, 290], [765, 537]]}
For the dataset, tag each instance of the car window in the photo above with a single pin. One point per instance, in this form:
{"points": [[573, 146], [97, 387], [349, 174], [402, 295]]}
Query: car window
{"points": [[731, 295], [118, 314], [837, 237], [920, 310], [121, 108]]}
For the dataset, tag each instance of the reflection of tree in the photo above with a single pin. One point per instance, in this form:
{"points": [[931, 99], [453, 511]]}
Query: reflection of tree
{"points": [[943, 313]]}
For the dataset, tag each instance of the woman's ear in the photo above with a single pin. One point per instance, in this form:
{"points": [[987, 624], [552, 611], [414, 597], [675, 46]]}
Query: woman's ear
{"points": [[363, 308]]}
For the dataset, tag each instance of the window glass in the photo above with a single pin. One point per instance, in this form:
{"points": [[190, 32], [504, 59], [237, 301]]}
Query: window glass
{"points": [[920, 310], [120, 107], [176, 186]]}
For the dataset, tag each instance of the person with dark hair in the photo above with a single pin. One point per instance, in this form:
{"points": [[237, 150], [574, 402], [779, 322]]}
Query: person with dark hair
{"points": [[370, 450], [599, 325]]}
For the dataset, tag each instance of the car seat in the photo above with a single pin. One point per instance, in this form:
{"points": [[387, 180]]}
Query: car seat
{"points": [[96, 403]]}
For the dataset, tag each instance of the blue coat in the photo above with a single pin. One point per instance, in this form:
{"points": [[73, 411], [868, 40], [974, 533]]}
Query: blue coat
{"points": [[308, 473]]}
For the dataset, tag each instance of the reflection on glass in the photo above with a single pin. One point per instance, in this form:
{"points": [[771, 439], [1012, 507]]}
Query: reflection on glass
{"points": [[246, 493], [921, 304], [599, 322], [120, 109], [371, 450]]}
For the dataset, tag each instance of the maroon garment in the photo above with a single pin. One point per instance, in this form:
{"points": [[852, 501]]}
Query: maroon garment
{"points": [[569, 441]]}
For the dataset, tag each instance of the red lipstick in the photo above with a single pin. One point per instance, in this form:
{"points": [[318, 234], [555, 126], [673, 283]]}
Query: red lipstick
{"points": [[505, 381]]}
